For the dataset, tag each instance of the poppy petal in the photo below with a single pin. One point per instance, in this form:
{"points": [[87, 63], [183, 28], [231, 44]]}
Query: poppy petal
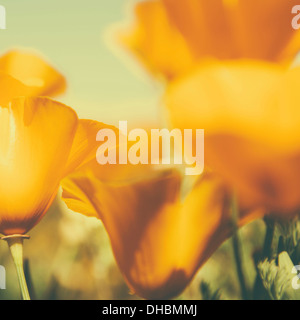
{"points": [[36, 136], [34, 72], [158, 240]]}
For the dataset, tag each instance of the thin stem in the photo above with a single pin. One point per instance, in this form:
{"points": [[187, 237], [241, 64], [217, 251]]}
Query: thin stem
{"points": [[267, 249], [28, 277], [15, 244], [238, 261], [236, 242], [259, 291]]}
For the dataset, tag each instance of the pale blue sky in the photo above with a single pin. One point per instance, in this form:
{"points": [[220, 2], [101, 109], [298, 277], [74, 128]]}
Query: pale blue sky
{"points": [[73, 35]]}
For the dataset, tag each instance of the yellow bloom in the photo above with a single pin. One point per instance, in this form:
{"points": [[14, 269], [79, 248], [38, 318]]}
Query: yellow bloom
{"points": [[40, 78], [231, 83], [159, 239], [169, 36], [41, 141], [159, 46], [250, 113]]}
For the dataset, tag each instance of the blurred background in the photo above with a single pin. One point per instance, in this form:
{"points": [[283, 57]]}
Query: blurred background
{"points": [[76, 38], [69, 256]]}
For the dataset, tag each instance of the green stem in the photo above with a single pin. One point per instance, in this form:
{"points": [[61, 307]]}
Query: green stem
{"points": [[15, 245], [267, 249], [236, 242], [259, 291]]}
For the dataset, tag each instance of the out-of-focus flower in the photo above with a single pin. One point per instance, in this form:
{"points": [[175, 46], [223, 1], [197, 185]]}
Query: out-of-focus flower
{"points": [[40, 78], [159, 238], [169, 36], [250, 113], [41, 141], [231, 84]]}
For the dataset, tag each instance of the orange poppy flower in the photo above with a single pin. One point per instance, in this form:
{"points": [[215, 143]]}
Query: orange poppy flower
{"points": [[228, 86], [250, 113], [41, 141], [169, 36], [159, 238]]}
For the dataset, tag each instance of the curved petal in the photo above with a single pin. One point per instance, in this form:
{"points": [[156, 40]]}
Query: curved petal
{"points": [[256, 29], [205, 25], [170, 35], [263, 175], [156, 42], [36, 136], [250, 113], [159, 240], [34, 72], [84, 146], [11, 88], [223, 97], [252, 99]]}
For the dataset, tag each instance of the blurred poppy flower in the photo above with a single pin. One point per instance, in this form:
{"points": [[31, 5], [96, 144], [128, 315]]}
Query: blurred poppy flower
{"points": [[169, 36], [159, 237], [232, 84], [41, 141], [40, 78], [250, 113]]}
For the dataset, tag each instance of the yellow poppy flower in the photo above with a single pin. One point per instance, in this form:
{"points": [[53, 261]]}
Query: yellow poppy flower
{"points": [[250, 113], [169, 36], [41, 141], [40, 78], [159, 238]]}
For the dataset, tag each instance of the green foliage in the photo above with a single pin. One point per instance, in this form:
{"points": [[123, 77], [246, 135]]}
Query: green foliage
{"points": [[287, 233], [207, 293], [277, 278]]}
